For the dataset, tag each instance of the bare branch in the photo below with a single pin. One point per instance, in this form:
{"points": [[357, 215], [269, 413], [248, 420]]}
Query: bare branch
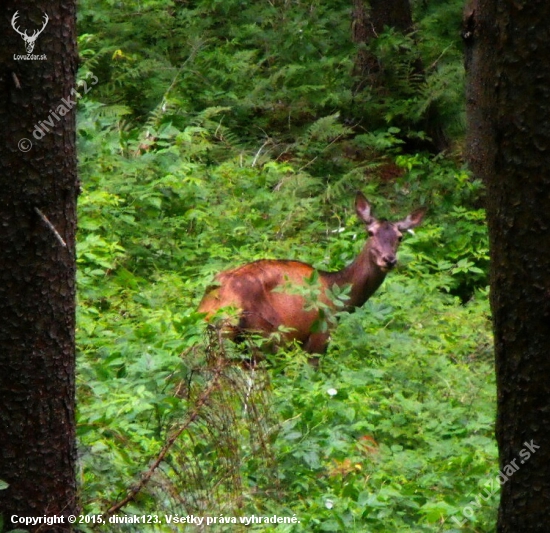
{"points": [[146, 477], [16, 80], [51, 226]]}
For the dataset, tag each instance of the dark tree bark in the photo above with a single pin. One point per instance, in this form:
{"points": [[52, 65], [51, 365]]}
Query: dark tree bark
{"points": [[392, 13], [38, 189], [508, 64]]}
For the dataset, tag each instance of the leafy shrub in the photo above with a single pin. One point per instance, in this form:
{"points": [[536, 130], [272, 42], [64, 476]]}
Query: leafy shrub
{"points": [[219, 134]]}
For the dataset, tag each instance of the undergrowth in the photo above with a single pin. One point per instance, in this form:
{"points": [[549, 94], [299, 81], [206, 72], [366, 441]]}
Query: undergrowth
{"points": [[221, 133], [392, 432]]}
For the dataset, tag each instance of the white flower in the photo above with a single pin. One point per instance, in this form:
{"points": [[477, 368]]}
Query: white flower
{"points": [[332, 392]]}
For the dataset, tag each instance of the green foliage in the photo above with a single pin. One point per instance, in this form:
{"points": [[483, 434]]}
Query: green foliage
{"points": [[439, 29], [406, 438], [386, 431], [178, 59], [221, 133]]}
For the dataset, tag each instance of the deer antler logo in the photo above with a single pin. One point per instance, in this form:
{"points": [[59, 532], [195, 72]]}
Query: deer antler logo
{"points": [[29, 39]]}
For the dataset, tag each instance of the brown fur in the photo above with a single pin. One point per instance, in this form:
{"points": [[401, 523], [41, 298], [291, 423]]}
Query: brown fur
{"points": [[250, 288]]}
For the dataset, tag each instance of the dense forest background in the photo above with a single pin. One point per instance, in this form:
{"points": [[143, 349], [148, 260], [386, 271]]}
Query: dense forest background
{"points": [[212, 133]]}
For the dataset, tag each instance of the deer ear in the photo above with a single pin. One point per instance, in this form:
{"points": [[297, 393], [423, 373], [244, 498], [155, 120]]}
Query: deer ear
{"points": [[362, 208], [412, 220]]}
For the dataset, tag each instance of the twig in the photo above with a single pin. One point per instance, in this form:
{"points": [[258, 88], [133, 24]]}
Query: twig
{"points": [[51, 226], [434, 64], [146, 477], [191, 56], [16, 80], [259, 152], [325, 148]]}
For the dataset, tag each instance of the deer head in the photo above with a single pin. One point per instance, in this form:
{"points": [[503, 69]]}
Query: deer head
{"points": [[385, 236], [29, 39]]}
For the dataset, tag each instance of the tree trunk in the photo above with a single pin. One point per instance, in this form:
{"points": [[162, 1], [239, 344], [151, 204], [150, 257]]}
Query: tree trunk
{"points": [[508, 64], [38, 189], [367, 25], [366, 64], [392, 13]]}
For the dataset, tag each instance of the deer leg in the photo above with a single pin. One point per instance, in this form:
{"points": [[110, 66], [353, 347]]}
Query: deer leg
{"points": [[316, 343]]}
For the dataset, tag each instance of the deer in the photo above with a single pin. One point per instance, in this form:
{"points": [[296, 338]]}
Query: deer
{"points": [[30, 40], [261, 291]]}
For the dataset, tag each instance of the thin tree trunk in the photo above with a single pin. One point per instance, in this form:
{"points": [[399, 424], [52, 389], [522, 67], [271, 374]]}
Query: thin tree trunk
{"points": [[38, 189], [367, 25], [366, 66], [508, 64], [392, 13]]}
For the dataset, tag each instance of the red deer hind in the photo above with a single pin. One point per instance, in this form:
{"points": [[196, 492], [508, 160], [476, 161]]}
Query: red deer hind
{"points": [[257, 290]]}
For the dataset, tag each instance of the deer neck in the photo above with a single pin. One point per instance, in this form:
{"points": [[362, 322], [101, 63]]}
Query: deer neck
{"points": [[364, 276]]}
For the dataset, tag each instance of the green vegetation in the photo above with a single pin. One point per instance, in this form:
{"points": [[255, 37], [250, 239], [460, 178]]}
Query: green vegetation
{"points": [[221, 132]]}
